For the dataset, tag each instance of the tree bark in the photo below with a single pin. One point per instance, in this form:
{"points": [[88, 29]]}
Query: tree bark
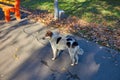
{"points": [[56, 10]]}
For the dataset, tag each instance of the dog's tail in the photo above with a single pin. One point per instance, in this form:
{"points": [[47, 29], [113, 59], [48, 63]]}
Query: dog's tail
{"points": [[80, 51]]}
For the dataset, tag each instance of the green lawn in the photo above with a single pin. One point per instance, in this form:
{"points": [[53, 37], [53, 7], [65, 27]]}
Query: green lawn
{"points": [[98, 11]]}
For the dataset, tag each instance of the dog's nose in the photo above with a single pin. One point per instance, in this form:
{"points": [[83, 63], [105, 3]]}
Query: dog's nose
{"points": [[43, 38]]}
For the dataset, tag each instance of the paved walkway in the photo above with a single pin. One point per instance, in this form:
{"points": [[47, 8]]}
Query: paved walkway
{"points": [[22, 57]]}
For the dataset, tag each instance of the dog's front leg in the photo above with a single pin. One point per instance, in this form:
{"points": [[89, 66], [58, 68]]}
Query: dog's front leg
{"points": [[54, 53], [73, 59], [72, 56]]}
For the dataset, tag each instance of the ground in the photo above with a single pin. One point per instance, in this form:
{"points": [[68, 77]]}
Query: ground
{"points": [[23, 57]]}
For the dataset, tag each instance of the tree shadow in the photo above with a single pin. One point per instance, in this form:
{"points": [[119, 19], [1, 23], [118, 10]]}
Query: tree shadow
{"points": [[5, 31], [99, 63], [36, 4], [93, 11], [9, 29], [39, 66], [92, 65], [109, 61], [1, 14], [32, 67]]}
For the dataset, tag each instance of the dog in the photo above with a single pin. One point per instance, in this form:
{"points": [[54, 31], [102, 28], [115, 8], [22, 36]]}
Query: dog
{"points": [[60, 43]]}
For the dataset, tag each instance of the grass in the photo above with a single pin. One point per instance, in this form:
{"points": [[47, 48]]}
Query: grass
{"points": [[103, 12], [98, 11]]}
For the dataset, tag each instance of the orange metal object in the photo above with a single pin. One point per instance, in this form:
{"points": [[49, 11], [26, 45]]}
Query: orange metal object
{"points": [[15, 9]]}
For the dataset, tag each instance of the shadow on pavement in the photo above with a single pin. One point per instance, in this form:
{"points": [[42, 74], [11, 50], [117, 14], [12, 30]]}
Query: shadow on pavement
{"points": [[39, 66], [109, 62], [100, 63], [97, 63], [9, 32]]}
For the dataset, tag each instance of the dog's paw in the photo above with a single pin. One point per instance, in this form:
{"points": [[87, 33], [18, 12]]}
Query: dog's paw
{"points": [[76, 63], [53, 59], [72, 64]]}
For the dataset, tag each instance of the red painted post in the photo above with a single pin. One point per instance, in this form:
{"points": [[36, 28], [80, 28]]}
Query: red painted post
{"points": [[7, 15], [17, 9]]}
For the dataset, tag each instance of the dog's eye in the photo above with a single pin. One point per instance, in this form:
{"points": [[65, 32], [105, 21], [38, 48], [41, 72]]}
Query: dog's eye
{"points": [[43, 38], [49, 34]]}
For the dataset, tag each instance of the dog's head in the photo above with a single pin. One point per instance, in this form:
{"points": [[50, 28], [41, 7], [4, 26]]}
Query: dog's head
{"points": [[48, 35]]}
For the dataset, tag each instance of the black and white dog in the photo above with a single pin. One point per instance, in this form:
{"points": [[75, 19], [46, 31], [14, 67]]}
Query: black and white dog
{"points": [[59, 43]]}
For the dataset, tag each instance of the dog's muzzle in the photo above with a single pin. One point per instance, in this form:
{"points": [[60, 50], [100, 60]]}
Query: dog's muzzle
{"points": [[43, 38]]}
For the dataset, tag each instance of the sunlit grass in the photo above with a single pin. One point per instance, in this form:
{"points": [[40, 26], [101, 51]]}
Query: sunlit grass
{"points": [[97, 11]]}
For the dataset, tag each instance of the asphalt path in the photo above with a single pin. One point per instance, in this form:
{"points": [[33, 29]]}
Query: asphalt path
{"points": [[25, 56]]}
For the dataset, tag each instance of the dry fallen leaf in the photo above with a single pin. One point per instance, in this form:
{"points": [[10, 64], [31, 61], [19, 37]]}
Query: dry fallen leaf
{"points": [[63, 69], [15, 56], [91, 31]]}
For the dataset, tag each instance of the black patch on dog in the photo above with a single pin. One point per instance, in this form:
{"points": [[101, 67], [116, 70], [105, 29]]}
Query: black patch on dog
{"points": [[58, 39], [68, 44], [74, 44], [69, 39]]}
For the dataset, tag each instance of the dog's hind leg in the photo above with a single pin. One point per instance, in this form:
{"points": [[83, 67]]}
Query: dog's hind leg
{"points": [[76, 57], [80, 51]]}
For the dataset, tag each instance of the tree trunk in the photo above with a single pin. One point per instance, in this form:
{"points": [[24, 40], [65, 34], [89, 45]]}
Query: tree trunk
{"points": [[56, 10]]}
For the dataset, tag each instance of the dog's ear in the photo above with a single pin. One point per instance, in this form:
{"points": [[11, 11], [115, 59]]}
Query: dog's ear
{"points": [[49, 34]]}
